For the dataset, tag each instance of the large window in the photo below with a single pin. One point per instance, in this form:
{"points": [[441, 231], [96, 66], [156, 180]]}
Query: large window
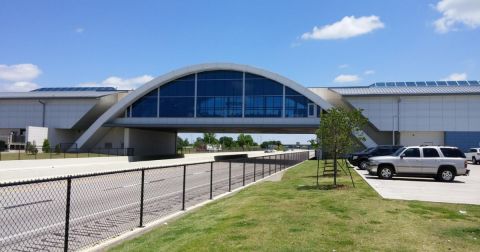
{"points": [[177, 97], [263, 97], [219, 94], [146, 106], [296, 105], [223, 94]]}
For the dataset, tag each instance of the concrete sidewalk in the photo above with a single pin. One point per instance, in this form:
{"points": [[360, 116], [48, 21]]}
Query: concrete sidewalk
{"points": [[19, 170], [464, 190]]}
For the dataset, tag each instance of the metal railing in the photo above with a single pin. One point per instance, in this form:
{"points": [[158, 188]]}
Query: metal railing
{"points": [[74, 212], [191, 150], [38, 152]]}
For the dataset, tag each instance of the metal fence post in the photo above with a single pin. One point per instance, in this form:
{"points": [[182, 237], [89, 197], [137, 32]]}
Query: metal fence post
{"points": [[230, 176], [142, 190], [243, 182], [275, 164], [184, 182], [254, 170], [211, 180], [67, 214], [269, 165], [263, 167]]}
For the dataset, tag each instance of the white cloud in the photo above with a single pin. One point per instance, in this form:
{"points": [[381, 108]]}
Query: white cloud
{"points": [[343, 66], [18, 78], [456, 77], [369, 72], [79, 30], [20, 72], [454, 12], [346, 78], [348, 27], [119, 83], [20, 86]]}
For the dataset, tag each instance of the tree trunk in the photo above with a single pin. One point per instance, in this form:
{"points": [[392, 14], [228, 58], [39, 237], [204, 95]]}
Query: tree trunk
{"points": [[335, 166]]}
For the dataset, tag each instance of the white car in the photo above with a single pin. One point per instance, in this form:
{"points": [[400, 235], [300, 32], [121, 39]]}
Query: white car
{"points": [[474, 155], [440, 162]]}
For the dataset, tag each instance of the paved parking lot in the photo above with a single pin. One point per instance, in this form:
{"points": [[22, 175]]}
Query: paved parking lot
{"points": [[465, 189]]}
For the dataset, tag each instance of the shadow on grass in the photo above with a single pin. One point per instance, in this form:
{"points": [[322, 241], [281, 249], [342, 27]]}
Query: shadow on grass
{"points": [[322, 187]]}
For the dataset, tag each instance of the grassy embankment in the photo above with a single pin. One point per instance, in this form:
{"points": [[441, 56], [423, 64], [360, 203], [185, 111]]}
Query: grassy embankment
{"points": [[294, 215]]}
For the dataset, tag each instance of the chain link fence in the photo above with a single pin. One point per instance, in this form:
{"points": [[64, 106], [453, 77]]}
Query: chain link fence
{"points": [[71, 213]]}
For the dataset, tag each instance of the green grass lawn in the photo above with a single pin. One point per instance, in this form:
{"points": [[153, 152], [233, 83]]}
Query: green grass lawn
{"points": [[293, 215]]}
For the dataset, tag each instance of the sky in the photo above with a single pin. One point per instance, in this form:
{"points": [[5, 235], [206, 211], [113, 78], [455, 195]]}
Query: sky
{"points": [[315, 43]]}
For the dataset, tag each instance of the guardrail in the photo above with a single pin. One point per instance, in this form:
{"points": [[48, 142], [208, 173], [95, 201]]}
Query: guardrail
{"points": [[39, 152], [71, 213]]}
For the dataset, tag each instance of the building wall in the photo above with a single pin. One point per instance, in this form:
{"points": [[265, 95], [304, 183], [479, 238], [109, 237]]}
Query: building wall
{"points": [[64, 137], [114, 138], [150, 142], [463, 140], [421, 137], [36, 135], [61, 113], [421, 113]]}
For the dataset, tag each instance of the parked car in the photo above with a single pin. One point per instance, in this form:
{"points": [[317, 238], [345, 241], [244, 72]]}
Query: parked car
{"points": [[440, 162], [474, 155], [360, 159]]}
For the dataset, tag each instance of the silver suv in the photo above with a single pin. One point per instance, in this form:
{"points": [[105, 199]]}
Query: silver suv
{"points": [[440, 162]]}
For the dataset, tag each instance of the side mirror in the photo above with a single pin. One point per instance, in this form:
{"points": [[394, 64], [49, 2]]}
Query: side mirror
{"points": [[402, 156]]}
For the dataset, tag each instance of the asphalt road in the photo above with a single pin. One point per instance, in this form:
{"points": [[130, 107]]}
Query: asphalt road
{"points": [[32, 216]]}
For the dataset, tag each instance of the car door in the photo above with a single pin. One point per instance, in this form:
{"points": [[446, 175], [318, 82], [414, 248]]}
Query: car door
{"points": [[410, 161], [430, 160]]}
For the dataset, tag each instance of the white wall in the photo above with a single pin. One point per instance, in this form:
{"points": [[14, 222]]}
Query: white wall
{"points": [[419, 138], [62, 136], [36, 134], [115, 136], [61, 113], [422, 113]]}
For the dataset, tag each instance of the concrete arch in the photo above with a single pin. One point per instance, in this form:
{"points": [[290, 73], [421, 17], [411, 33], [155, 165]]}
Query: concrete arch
{"points": [[86, 140]]}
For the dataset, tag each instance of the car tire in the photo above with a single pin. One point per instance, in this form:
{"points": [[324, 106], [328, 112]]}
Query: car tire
{"points": [[385, 172], [446, 175], [363, 165], [474, 160]]}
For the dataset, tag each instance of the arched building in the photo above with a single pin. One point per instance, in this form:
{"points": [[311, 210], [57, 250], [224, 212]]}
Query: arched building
{"points": [[226, 97]]}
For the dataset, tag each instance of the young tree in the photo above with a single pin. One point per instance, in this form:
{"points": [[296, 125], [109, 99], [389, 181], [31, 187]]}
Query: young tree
{"points": [[46, 146], [338, 133], [245, 141], [226, 142], [210, 138]]}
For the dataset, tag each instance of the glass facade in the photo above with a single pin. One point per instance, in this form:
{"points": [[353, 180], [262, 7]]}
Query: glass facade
{"points": [[177, 98], [223, 94], [263, 97], [146, 106], [296, 105], [219, 94]]}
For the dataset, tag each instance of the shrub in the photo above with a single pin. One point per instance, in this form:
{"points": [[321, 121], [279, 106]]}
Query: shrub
{"points": [[46, 146]]}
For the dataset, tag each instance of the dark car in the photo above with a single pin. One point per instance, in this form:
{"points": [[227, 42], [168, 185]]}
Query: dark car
{"points": [[360, 159]]}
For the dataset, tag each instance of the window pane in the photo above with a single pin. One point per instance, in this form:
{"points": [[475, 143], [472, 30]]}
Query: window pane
{"points": [[176, 106], [430, 152], [412, 152], [263, 86], [452, 152], [146, 106], [181, 87]]}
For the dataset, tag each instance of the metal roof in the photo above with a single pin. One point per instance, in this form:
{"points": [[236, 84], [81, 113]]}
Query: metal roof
{"points": [[54, 94], [426, 83], [74, 89], [406, 90]]}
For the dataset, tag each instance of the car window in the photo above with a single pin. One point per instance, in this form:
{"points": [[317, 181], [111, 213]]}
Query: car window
{"points": [[452, 152], [383, 151], [430, 152], [398, 152], [472, 150], [412, 152]]}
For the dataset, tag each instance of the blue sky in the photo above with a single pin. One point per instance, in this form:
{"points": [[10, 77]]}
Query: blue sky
{"points": [[125, 43]]}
